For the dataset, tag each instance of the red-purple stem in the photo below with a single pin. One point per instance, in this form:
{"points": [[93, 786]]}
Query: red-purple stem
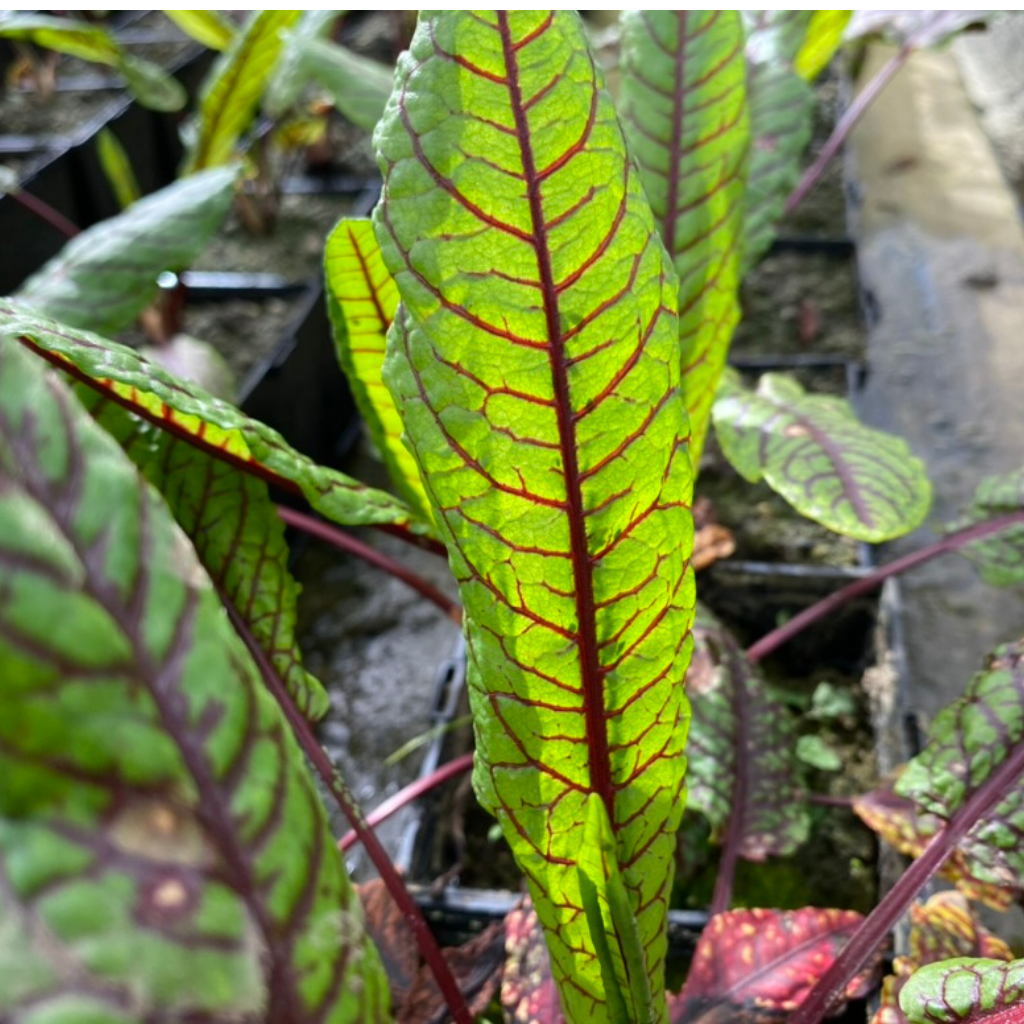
{"points": [[770, 642], [346, 542], [876, 927], [44, 211], [407, 794], [425, 940]]}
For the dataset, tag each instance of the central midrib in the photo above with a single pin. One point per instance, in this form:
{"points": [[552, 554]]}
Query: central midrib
{"points": [[591, 673]]}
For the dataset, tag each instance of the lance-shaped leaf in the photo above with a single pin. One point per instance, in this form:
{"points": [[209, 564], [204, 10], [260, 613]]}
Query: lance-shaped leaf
{"points": [[207, 423], [685, 113], [117, 167], [362, 298], [232, 91], [157, 821], [237, 534], [104, 277], [813, 451], [823, 37], [1000, 557], [742, 772], [210, 28], [759, 965], [963, 990], [972, 744], [536, 363]]}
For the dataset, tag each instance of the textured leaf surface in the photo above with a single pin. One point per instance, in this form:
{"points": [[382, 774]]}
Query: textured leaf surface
{"points": [[759, 965], [157, 822], [741, 749], [528, 990], [104, 277], [210, 28], [362, 299], [537, 369], [1000, 557], [207, 423], [232, 91], [965, 990], [813, 451], [967, 743], [684, 110]]}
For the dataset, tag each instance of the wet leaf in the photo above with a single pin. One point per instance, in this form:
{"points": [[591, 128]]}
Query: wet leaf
{"points": [[107, 275], [741, 749], [528, 990], [157, 821], [685, 115], [537, 369], [210, 28], [999, 557], [758, 965], [813, 451], [965, 990]]}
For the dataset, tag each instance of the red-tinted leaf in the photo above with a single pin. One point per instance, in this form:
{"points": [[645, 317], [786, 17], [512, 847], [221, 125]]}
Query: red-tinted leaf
{"points": [[528, 991], [392, 936]]}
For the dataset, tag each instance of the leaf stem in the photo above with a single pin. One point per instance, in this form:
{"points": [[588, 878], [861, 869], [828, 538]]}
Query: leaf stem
{"points": [[425, 940], [44, 211], [770, 642], [347, 543]]}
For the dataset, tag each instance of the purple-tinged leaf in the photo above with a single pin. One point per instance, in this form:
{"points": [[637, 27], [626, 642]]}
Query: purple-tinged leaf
{"points": [[965, 991], [741, 750], [813, 451], [163, 851], [685, 115], [537, 368], [999, 558]]}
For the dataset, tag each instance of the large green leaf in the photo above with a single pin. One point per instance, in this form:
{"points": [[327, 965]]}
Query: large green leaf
{"points": [[536, 363], [163, 852], [207, 423], [1000, 557], [813, 451], [685, 114], [233, 88], [362, 298], [965, 990], [104, 277]]}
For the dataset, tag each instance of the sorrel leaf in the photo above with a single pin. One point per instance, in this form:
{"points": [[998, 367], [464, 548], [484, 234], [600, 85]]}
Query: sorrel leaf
{"points": [[362, 298], [210, 28], [207, 423], [968, 742], [238, 536], [157, 821], [965, 990], [740, 751], [813, 451], [999, 558], [685, 114], [536, 363], [233, 88], [104, 277], [758, 965], [528, 991], [823, 37]]}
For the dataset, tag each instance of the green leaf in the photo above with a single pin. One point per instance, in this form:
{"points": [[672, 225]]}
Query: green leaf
{"points": [[685, 114], [741, 749], [205, 422], [151, 85], [965, 990], [117, 167], [210, 28], [812, 749], [157, 821], [232, 91], [290, 75], [362, 298], [813, 451], [823, 38], [999, 557], [536, 363], [105, 276]]}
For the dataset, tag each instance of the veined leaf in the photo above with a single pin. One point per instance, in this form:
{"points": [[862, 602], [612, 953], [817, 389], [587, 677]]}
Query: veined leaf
{"points": [[210, 28], [813, 451], [759, 965], [741, 749], [685, 113], [290, 76], [824, 36], [205, 422], [1000, 557], [238, 536], [232, 91], [965, 990], [362, 298], [117, 167], [157, 821], [104, 277], [536, 363]]}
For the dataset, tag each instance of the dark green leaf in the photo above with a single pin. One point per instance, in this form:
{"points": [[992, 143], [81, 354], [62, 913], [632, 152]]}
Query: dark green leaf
{"points": [[1000, 557], [104, 277], [813, 451], [965, 990], [536, 365], [163, 852]]}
